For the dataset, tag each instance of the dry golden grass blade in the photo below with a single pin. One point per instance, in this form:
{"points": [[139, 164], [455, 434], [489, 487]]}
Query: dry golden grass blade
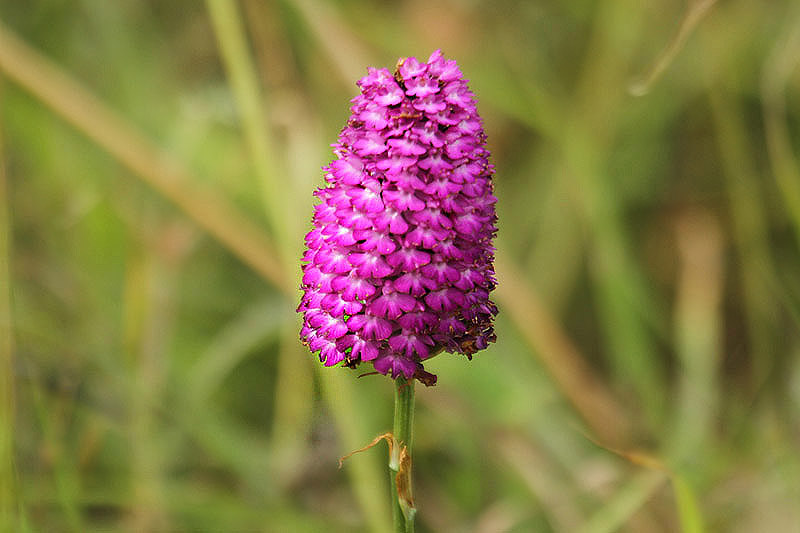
{"points": [[591, 399], [695, 12], [77, 105], [626, 502], [539, 474]]}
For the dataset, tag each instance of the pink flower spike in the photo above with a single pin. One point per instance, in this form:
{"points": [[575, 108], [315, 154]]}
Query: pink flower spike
{"points": [[398, 264]]}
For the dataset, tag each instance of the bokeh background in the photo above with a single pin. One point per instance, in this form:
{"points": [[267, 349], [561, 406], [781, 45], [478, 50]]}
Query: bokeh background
{"points": [[158, 160]]}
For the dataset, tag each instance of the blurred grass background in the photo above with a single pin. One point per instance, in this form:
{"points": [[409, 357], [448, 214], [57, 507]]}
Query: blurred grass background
{"points": [[156, 167]]}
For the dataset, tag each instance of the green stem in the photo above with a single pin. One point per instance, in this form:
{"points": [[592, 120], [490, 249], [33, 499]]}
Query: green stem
{"points": [[403, 434]]}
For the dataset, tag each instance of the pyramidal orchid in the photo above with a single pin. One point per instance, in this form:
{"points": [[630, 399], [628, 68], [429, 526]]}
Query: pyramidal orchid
{"points": [[398, 265]]}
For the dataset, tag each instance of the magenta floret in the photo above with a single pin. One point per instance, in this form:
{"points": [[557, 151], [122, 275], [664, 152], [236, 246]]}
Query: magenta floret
{"points": [[398, 266]]}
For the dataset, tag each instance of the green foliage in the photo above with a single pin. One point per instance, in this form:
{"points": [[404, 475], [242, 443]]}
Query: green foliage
{"points": [[156, 167]]}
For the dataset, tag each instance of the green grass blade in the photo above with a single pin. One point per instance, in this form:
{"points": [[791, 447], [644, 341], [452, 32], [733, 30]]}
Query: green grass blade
{"points": [[254, 326], [74, 103], [627, 501], [691, 518]]}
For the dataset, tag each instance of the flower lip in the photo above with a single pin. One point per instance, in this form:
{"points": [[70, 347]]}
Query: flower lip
{"points": [[410, 68]]}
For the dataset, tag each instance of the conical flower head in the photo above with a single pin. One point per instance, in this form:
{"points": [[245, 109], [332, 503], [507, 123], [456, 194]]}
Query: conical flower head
{"points": [[398, 265]]}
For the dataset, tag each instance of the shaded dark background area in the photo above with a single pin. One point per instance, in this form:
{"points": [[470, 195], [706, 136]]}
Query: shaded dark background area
{"points": [[157, 162]]}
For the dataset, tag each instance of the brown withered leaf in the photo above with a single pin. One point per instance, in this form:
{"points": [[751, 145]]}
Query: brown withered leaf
{"points": [[403, 484], [390, 440]]}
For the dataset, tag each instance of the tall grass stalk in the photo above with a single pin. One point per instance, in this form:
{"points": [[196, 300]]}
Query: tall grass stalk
{"points": [[697, 333], [150, 316], [9, 493], [227, 22], [621, 290], [780, 66], [590, 398], [749, 223]]}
